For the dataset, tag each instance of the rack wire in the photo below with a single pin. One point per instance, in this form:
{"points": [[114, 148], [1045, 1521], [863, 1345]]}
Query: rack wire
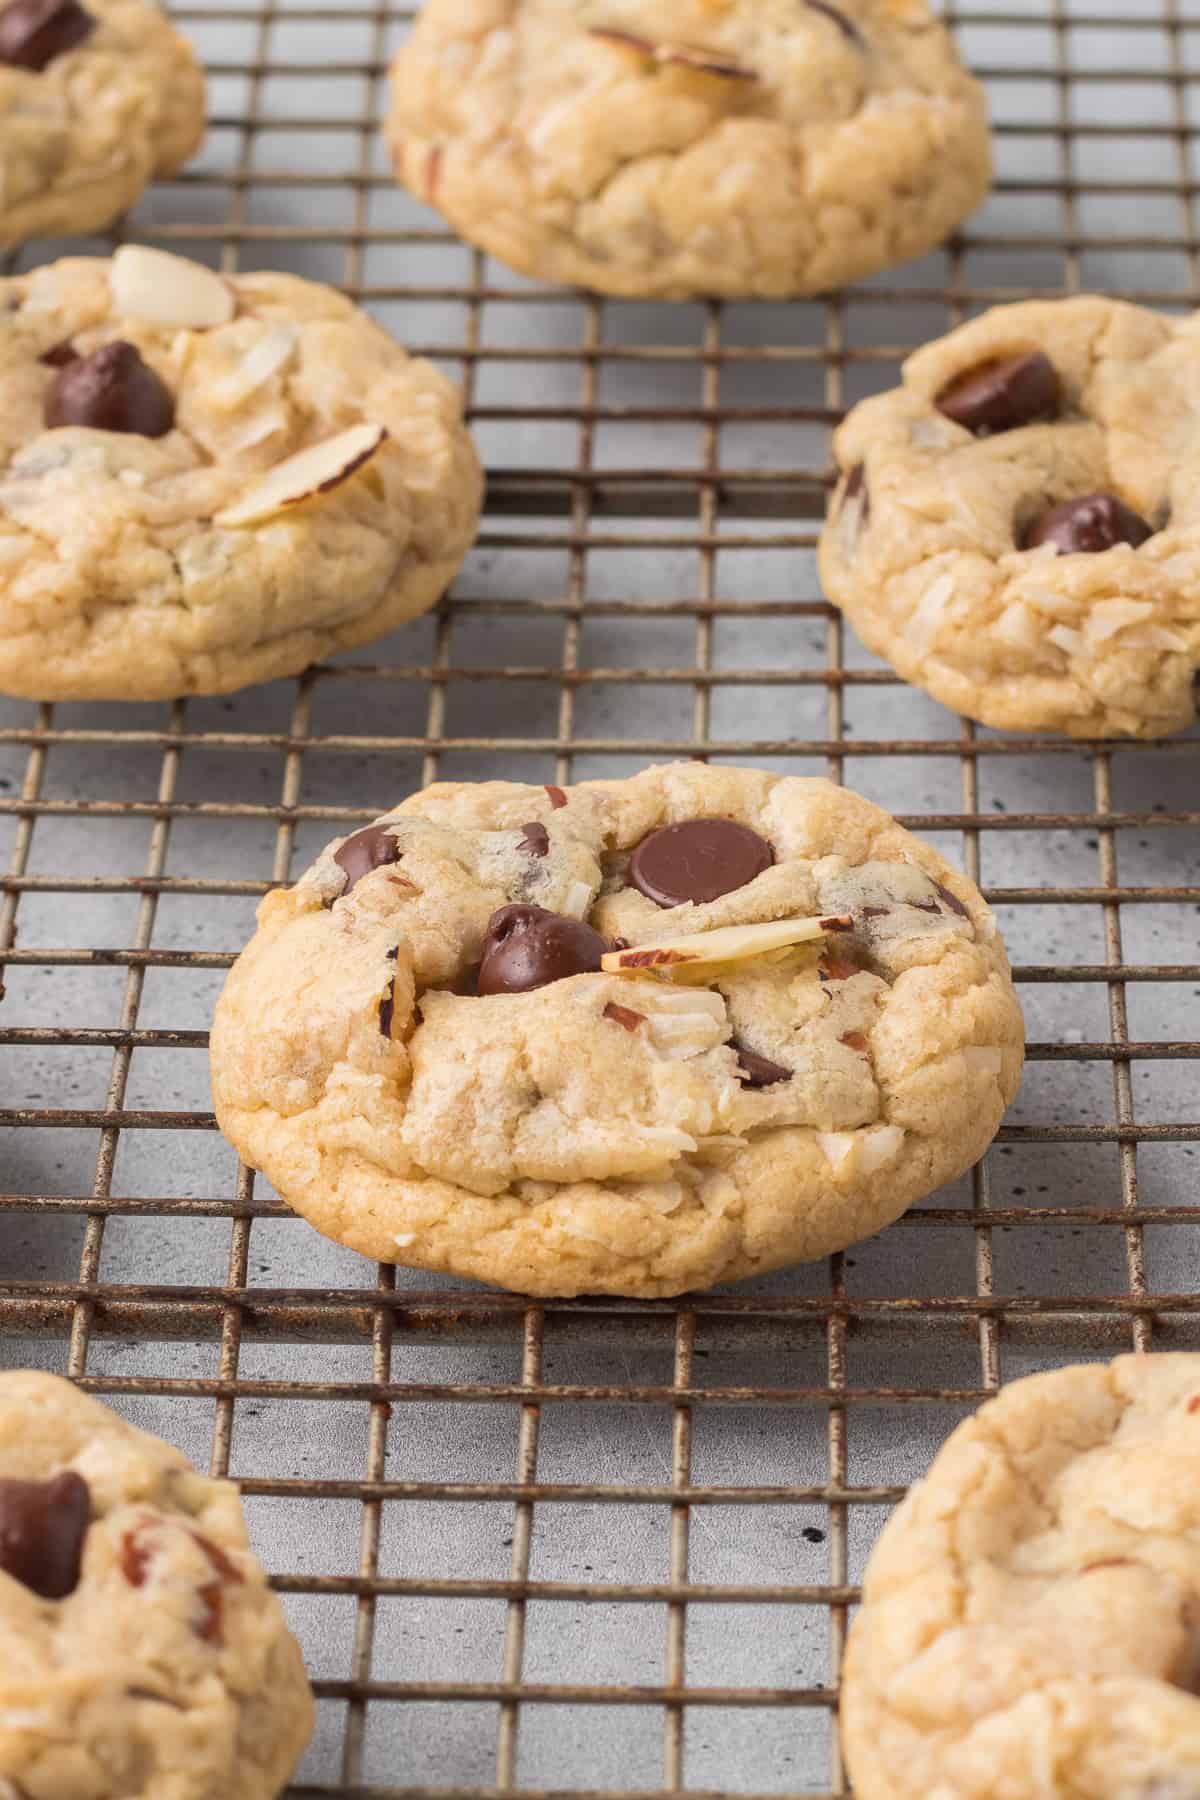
{"points": [[599, 1548]]}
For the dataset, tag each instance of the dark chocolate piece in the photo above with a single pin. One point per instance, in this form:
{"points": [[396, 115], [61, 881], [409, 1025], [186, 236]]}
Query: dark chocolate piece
{"points": [[42, 1528], [698, 860], [373, 848], [526, 947], [759, 1071], [1002, 394], [1087, 526], [111, 390], [34, 32]]}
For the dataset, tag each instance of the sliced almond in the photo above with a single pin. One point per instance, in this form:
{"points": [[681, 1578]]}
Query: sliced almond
{"points": [[168, 290], [627, 41], [704, 62], [732, 943], [306, 475]]}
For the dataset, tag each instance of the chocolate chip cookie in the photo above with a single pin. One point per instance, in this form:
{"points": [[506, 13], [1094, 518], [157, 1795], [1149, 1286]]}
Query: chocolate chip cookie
{"points": [[96, 99], [206, 482], [679, 147], [141, 1652], [626, 1037], [1017, 528], [1030, 1624]]}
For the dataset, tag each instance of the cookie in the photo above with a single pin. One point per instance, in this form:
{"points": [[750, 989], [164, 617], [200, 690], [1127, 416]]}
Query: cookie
{"points": [[1017, 528], [206, 482], [628, 1037], [95, 101], [141, 1652], [676, 147], [1030, 1624]]}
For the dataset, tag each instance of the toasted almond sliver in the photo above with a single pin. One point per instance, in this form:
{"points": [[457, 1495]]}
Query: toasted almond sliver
{"points": [[302, 477], [168, 290], [732, 943], [705, 62]]}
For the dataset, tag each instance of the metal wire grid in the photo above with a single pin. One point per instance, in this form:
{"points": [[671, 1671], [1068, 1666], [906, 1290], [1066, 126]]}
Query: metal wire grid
{"points": [[618, 609]]}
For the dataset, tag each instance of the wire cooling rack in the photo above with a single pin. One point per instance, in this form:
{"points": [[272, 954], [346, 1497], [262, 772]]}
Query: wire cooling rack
{"points": [[599, 1549]]}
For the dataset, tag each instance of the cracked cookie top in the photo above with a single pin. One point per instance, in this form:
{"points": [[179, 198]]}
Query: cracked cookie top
{"points": [[630, 1036], [141, 1650], [679, 147], [1017, 529], [1030, 1624], [209, 481], [95, 100]]}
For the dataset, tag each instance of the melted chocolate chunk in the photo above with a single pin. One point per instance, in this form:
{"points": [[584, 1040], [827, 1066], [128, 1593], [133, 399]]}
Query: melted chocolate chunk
{"points": [[34, 32], [387, 1011], [856, 484], [526, 947], [698, 860], [112, 390], [1094, 523], [846, 26], [555, 796], [759, 1071], [59, 356], [536, 839], [42, 1528], [1002, 394], [373, 848]]}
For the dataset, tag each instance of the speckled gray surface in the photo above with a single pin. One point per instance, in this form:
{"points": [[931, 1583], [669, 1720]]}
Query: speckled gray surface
{"points": [[509, 612]]}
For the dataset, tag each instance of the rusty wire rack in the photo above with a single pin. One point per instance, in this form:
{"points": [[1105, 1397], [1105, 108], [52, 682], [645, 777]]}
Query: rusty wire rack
{"points": [[600, 1549]]}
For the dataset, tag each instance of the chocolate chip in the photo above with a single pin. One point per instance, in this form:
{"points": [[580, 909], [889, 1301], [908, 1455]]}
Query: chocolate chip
{"points": [[387, 1009], [373, 848], [59, 356], [698, 860], [856, 484], [876, 912], [1094, 523], [556, 797], [1003, 393], [759, 1071], [34, 32], [624, 1016], [846, 26], [952, 901], [42, 1528], [838, 922], [536, 840], [527, 947], [853, 1040], [111, 390]]}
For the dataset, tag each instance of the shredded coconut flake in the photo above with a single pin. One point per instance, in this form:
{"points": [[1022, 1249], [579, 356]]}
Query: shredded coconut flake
{"points": [[259, 429], [879, 1147], [1156, 637], [922, 627], [1018, 625], [264, 359], [1108, 617], [578, 900], [835, 1146], [1066, 639]]}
